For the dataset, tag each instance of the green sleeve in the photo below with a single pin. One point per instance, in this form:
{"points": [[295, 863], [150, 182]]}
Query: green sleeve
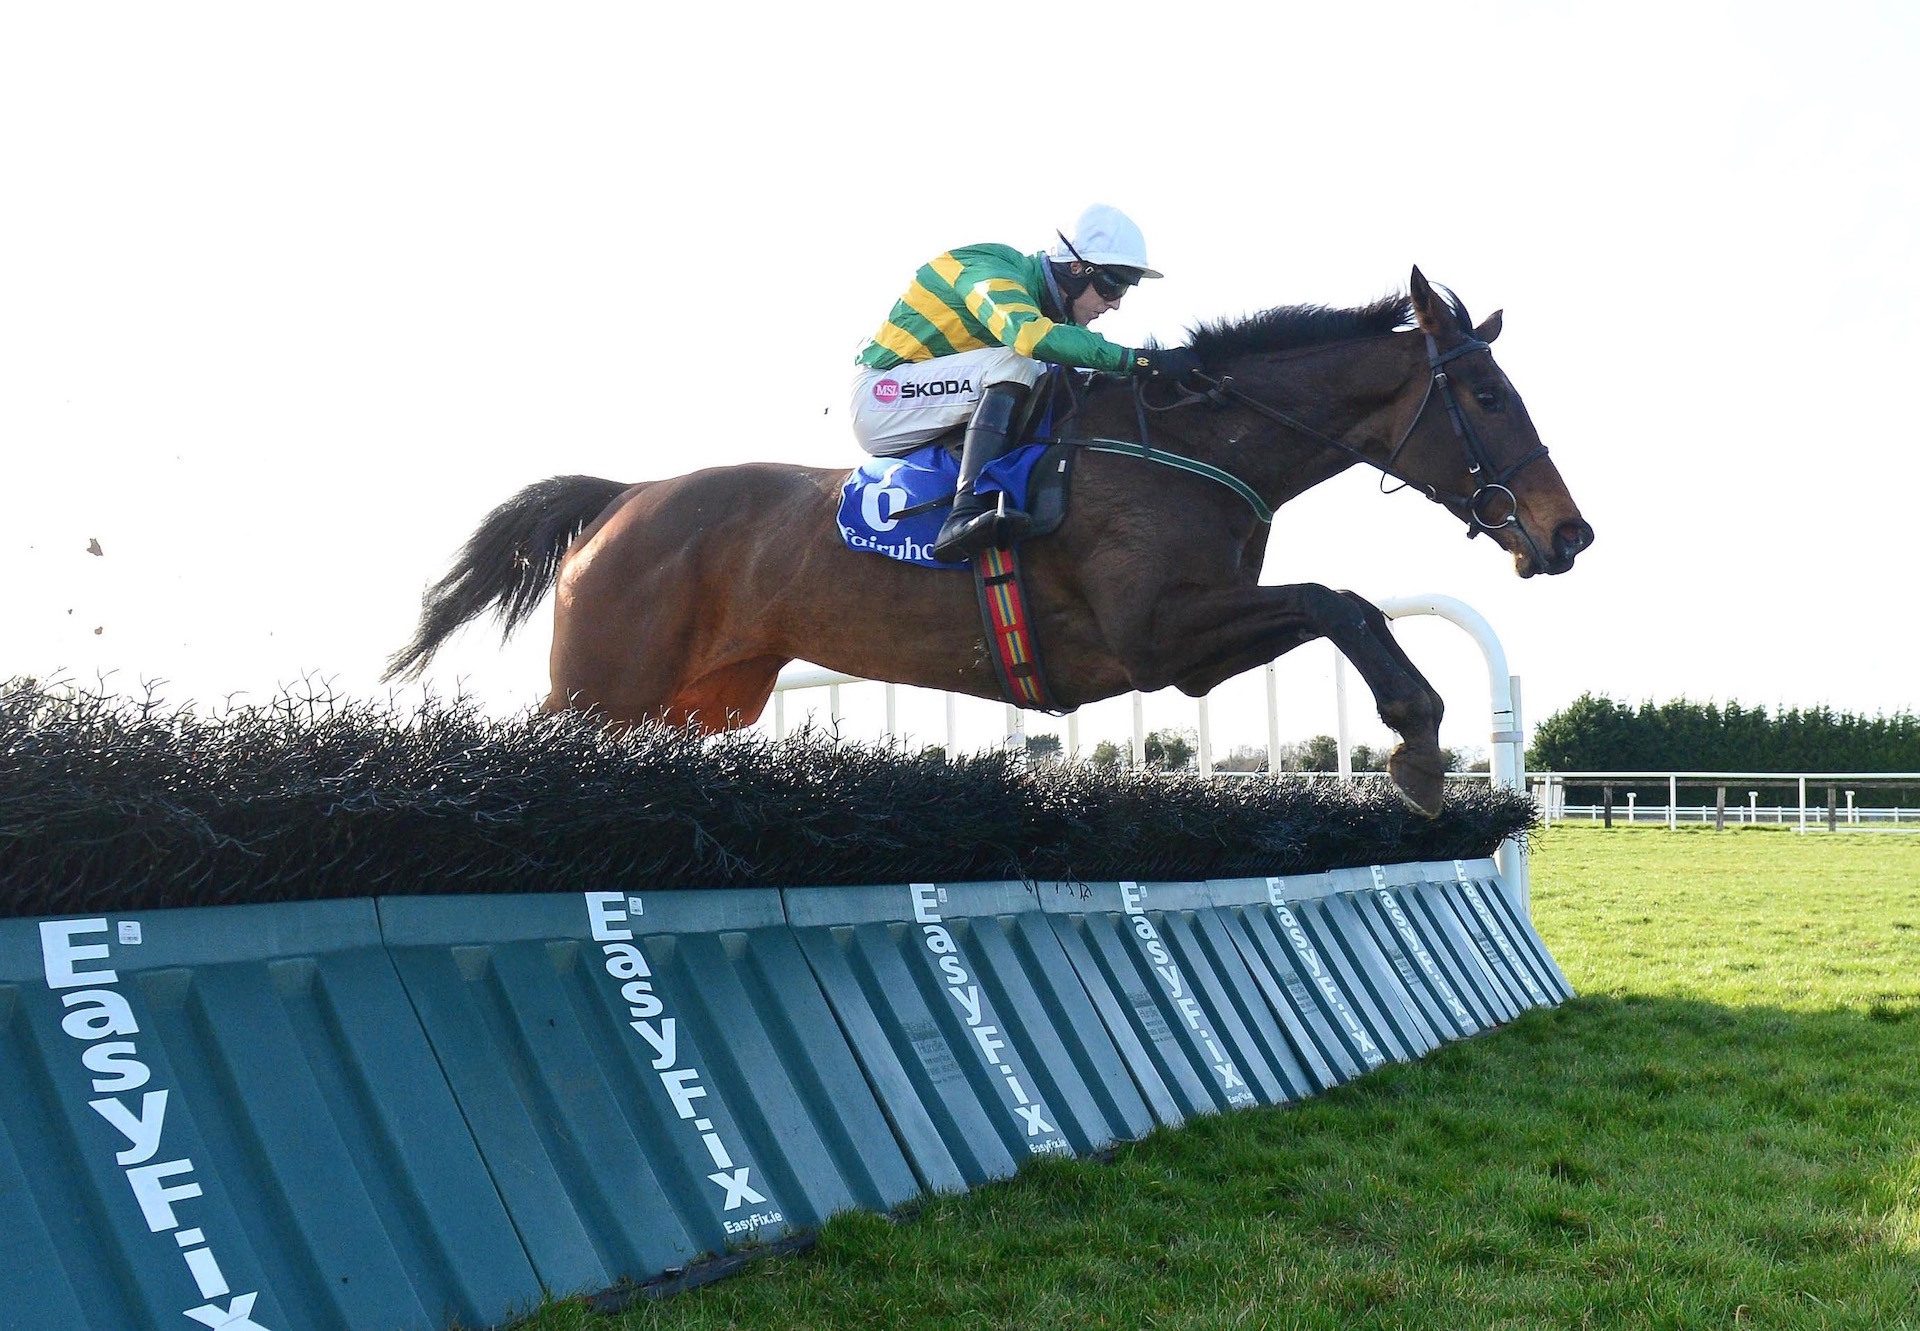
{"points": [[1002, 297]]}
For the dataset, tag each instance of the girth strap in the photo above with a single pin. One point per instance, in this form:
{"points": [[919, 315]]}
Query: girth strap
{"points": [[1010, 638]]}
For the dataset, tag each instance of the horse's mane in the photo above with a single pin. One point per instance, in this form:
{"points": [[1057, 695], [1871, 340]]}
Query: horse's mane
{"points": [[1296, 327]]}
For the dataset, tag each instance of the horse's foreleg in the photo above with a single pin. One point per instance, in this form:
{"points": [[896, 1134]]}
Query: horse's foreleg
{"points": [[1416, 765], [1198, 642]]}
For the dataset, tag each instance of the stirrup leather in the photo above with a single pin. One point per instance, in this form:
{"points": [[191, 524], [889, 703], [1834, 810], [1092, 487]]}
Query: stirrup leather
{"points": [[977, 522]]}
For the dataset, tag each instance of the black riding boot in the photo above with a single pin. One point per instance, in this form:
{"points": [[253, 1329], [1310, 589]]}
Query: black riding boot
{"points": [[976, 523]]}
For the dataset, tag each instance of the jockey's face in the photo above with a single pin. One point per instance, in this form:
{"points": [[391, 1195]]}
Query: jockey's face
{"points": [[1090, 305]]}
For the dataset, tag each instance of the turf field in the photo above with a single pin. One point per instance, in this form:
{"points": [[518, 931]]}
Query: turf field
{"points": [[1722, 1131]]}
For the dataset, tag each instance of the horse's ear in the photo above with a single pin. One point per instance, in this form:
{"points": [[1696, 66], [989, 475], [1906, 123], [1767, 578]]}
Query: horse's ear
{"points": [[1490, 327], [1434, 317]]}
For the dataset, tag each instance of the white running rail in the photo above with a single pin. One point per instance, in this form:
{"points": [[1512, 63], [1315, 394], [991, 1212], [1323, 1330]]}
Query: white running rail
{"points": [[1506, 736]]}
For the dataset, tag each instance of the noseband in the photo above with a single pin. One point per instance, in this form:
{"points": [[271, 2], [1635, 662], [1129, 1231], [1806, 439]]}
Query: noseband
{"points": [[1486, 487], [1489, 484]]}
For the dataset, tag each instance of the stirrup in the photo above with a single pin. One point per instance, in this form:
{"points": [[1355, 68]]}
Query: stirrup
{"points": [[1010, 525], [967, 534]]}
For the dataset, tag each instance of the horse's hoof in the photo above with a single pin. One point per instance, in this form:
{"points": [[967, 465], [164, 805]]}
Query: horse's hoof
{"points": [[1419, 778]]}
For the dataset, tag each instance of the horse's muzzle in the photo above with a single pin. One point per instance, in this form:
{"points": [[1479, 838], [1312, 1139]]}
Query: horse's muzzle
{"points": [[1569, 539]]}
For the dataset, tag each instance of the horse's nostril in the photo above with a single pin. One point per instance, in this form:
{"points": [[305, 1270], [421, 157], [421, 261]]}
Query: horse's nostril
{"points": [[1570, 538]]}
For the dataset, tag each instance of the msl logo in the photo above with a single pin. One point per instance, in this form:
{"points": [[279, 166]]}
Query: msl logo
{"points": [[914, 393], [97, 1010]]}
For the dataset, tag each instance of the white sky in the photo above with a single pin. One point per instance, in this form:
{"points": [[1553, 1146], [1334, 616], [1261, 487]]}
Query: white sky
{"points": [[289, 298]]}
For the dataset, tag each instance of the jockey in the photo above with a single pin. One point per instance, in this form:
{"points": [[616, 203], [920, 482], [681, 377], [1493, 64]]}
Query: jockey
{"points": [[967, 342]]}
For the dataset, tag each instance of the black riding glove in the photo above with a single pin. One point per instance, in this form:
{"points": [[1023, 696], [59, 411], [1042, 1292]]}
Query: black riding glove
{"points": [[1175, 363]]}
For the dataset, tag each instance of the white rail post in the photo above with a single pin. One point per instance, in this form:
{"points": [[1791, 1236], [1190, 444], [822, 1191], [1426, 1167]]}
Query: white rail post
{"points": [[1803, 804], [1073, 737], [953, 730], [1016, 727], [1508, 760], [780, 714], [1344, 760], [1206, 742], [833, 706], [1139, 733], [1673, 803], [1273, 720]]}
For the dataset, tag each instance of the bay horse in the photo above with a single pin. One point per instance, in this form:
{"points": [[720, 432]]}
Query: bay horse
{"points": [[681, 599]]}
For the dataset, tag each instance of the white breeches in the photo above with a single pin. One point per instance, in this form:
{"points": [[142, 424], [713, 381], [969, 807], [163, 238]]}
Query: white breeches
{"points": [[897, 410]]}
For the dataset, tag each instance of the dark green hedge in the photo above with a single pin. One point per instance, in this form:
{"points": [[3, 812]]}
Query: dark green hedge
{"points": [[1595, 733], [115, 803]]}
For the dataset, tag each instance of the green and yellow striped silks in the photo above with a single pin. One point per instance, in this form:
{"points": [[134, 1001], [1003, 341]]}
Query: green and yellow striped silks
{"points": [[983, 296]]}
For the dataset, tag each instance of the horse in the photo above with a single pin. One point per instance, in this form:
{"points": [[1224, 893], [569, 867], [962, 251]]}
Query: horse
{"points": [[680, 600]]}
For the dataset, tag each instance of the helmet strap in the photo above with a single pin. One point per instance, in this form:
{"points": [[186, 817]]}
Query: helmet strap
{"points": [[1070, 283]]}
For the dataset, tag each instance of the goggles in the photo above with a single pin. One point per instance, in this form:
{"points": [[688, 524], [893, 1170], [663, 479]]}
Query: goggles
{"points": [[1110, 284]]}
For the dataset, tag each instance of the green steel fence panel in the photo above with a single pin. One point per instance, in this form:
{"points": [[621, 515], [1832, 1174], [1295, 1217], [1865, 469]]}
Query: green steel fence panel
{"points": [[1421, 975], [1448, 905], [228, 1115], [1298, 982], [1273, 1017], [1172, 997], [1426, 903], [1388, 971], [1195, 931], [1512, 933], [420, 1110], [650, 1076], [1372, 991], [969, 1022]]}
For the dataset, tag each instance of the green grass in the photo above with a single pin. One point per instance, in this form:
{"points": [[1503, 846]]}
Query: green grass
{"points": [[1722, 1131]]}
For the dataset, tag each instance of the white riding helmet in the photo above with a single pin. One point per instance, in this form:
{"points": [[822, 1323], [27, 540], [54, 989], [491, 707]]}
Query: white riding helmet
{"points": [[1105, 236]]}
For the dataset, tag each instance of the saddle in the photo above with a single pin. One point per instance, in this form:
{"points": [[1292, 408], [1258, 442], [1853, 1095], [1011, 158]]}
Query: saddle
{"points": [[894, 506]]}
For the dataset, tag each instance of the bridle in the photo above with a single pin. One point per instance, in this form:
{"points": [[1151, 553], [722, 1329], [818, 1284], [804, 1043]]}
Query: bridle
{"points": [[1489, 483]]}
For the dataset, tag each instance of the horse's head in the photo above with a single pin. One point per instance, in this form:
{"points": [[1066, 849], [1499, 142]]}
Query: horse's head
{"points": [[1467, 440]]}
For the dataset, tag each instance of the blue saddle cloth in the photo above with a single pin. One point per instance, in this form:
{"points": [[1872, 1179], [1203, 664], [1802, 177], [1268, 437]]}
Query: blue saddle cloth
{"points": [[877, 493]]}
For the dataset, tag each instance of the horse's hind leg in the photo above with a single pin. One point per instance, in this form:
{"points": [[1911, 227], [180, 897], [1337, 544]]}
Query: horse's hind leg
{"points": [[728, 698]]}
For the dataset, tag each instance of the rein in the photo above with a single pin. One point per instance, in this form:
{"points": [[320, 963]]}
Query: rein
{"points": [[1179, 462], [1489, 483]]}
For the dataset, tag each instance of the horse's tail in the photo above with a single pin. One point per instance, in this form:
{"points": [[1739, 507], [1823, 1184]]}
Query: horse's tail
{"points": [[508, 564]]}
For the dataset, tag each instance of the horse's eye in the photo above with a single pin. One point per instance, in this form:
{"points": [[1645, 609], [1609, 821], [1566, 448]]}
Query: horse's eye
{"points": [[1489, 398]]}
